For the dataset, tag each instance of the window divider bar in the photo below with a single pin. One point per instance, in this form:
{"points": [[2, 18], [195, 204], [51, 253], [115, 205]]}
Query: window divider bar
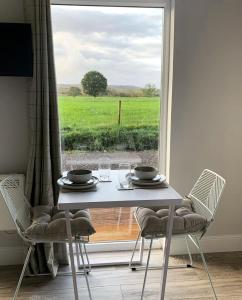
{"points": [[113, 3]]}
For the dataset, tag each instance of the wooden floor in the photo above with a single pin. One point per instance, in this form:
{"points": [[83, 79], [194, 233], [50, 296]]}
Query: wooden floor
{"points": [[114, 224], [119, 283]]}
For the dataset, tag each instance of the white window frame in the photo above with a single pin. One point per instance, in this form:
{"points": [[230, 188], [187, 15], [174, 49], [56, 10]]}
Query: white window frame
{"points": [[166, 71], [167, 65], [113, 3]]}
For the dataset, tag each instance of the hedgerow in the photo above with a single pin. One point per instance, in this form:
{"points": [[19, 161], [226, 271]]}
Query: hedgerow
{"points": [[117, 138]]}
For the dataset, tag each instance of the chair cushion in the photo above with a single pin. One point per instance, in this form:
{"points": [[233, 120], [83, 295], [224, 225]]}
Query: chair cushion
{"points": [[153, 221], [49, 224]]}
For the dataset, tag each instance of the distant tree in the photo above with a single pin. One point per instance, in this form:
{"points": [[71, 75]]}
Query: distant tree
{"points": [[94, 83], [150, 90], [125, 92], [74, 91]]}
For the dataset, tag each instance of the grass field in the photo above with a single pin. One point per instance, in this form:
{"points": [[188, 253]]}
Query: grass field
{"points": [[78, 113], [92, 123]]}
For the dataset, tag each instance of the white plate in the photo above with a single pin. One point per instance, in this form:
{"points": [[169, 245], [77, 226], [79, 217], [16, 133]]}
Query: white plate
{"points": [[66, 181], [74, 186], [155, 179], [153, 182]]}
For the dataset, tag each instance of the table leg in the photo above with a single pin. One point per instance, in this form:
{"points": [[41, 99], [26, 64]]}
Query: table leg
{"points": [[167, 250], [69, 235]]}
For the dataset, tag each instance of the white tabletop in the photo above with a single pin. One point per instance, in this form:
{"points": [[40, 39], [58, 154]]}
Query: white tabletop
{"points": [[107, 195]]}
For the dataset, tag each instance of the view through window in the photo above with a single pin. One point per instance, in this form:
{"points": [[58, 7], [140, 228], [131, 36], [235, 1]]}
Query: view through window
{"points": [[108, 67]]}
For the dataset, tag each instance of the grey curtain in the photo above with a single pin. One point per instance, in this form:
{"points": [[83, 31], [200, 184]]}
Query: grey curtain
{"points": [[44, 166]]}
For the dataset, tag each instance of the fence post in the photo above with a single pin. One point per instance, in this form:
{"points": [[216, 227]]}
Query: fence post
{"points": [[119, 112]]}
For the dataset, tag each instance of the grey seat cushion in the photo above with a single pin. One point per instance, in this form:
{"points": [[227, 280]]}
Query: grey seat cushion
{"points": [[49, 224], [153, 220]]}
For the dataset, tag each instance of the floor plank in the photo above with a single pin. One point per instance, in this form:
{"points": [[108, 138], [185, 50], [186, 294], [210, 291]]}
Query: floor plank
{"points": [[119, 283], [114, 224]]}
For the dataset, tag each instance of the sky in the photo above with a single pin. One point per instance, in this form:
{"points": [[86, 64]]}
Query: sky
{"points": [[124, 44]]}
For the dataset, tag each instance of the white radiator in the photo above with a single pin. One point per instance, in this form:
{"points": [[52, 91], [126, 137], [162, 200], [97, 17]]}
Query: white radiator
{"points": [[11, 245], [5, 219]]}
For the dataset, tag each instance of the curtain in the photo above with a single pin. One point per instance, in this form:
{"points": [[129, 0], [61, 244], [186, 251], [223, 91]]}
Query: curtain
{"points": [[44, 165]]}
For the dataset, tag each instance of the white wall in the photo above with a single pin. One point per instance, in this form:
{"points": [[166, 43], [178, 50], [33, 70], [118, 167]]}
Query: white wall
{"points": [[13, 138], [13, 125], [207, 102], [13, 116], [13, 106]]}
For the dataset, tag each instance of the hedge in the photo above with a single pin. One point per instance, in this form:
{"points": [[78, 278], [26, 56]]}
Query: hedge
{"points": [[124, 138]]}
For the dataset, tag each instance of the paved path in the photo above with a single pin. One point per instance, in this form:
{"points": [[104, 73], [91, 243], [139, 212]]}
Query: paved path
{"points": [[90, 159]]}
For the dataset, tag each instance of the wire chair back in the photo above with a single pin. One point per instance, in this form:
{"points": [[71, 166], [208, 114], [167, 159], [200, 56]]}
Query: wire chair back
{"points": [[16, 202], [206, 193]]}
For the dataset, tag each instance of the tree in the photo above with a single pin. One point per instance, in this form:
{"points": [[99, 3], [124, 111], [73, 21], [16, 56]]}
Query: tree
{"points": [[94, 83], [150, 90], [74, 91]]}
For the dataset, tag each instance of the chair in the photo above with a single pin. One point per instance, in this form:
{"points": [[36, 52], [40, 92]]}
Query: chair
{"points": [[191, 218], [44, 223]]}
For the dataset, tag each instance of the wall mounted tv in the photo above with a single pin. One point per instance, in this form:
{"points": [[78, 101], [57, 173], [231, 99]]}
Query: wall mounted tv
{"points": [[16, 51]]}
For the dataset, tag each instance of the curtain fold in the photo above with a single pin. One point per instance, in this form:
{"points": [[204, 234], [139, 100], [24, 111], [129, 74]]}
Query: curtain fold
{"points": [[44, 165]]}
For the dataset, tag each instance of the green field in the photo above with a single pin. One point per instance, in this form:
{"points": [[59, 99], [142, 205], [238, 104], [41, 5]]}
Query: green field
{"points": [[78, 113], [94, 122]]}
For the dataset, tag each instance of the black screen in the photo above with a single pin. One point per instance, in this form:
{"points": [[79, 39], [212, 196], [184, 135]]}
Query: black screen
{"points": [[16, 53]]}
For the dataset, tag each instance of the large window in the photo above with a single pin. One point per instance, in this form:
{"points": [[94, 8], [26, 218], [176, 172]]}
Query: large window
{"points": [[118, 116]]}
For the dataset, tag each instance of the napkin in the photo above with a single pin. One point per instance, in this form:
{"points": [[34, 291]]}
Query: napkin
{"points": [[66, 190], [163, 185]]}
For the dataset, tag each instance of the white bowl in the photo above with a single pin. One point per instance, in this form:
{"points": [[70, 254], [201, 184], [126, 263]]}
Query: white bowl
{"points": [[145, 172], [79, 176]]}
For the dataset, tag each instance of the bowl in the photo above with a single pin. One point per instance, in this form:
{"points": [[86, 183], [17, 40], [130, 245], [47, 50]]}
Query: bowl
{"points": [[79, 176], [145, 172]]}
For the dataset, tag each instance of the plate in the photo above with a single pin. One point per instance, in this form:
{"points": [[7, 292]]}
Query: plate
{"points": [[153, 182], [67, 184], [67, 181], [157, 178]]}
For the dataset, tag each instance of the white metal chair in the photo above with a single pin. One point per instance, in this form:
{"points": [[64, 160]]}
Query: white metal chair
{"points": [[20, 211], [204, 198]]}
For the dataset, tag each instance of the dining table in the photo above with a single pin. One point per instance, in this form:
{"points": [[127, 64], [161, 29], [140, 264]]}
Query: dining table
{"points": [[109, 195]]}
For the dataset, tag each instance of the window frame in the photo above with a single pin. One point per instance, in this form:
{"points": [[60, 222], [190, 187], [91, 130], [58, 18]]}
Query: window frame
{"points": [[114, 3], [166, 68]]}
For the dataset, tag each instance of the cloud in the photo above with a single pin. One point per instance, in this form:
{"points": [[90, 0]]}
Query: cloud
{"points": [[89, 20], [120, 43]]}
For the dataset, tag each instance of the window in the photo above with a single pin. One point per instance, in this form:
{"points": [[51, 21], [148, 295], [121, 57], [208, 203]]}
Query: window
{"points": [[122, 121]]}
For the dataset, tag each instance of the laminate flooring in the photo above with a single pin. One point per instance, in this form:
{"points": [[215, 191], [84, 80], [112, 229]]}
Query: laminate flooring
{"points": [[120, 283], [114, 224]]}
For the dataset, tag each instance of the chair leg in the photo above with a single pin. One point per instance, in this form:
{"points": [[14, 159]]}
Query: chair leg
{"points": [[141, 251], [78, 256], [132, 256], [87, 258], [85, 272], [146, 269], [189, 253], [205, 265], [22, 272]]}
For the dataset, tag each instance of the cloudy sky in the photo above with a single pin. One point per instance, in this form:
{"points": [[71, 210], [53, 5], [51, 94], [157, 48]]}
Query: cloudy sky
{"points": [[124, 44]]}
